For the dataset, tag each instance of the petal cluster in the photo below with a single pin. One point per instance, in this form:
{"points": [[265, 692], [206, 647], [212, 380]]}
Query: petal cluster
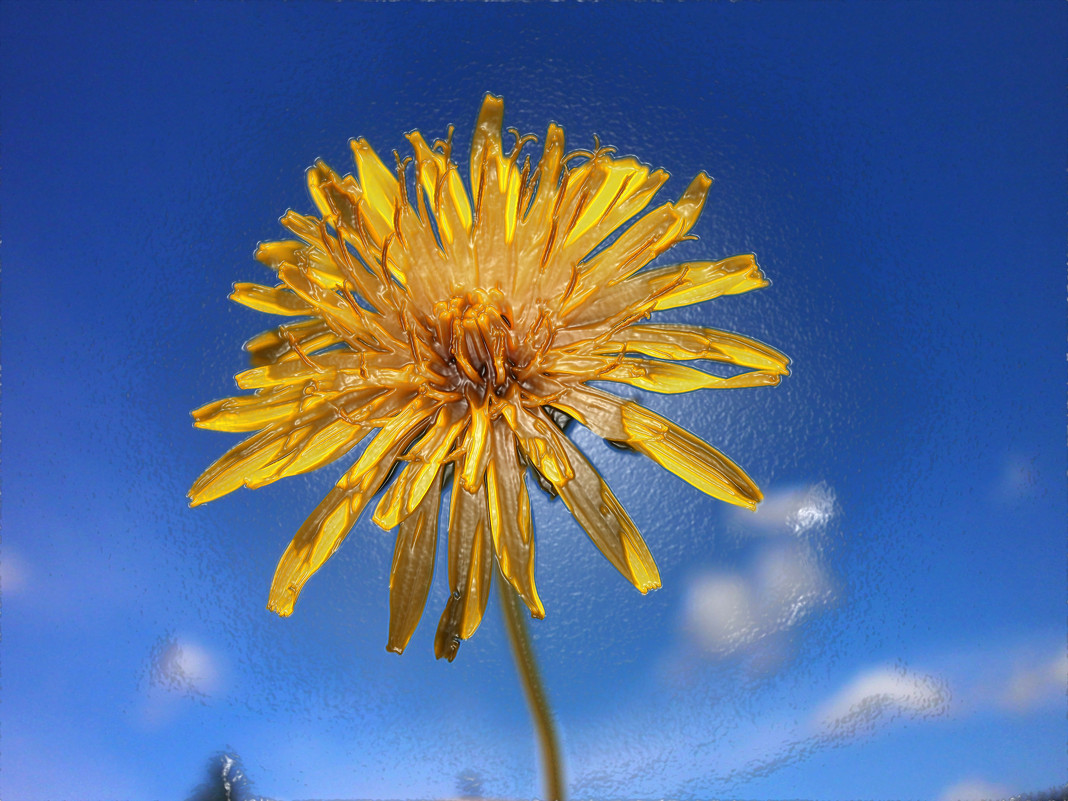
{"points": [[455, 325]]}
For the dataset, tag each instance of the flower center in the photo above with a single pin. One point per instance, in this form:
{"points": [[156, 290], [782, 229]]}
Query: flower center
{"points": [[474, 333]]}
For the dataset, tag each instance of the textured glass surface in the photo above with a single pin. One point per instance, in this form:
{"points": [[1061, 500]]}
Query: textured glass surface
{"points": [[888, 624]]}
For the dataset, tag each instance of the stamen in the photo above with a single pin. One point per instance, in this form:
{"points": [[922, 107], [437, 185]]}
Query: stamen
{"points": [[302, 355], [561, 192], [619, 194], [402, 179], [520, 140], [481, 186], [445, 146], [583, 201], [397, 223], [574, 154]]}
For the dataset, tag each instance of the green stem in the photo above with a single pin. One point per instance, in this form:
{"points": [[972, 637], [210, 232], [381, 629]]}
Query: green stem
{"points": [[523, 651]]}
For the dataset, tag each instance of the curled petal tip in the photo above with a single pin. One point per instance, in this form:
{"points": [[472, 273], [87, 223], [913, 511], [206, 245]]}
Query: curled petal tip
{"points": [[446, 648], [283, 607]]}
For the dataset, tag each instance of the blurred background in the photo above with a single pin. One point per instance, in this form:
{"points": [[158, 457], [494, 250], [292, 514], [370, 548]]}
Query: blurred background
{"points": [[889, 624]]}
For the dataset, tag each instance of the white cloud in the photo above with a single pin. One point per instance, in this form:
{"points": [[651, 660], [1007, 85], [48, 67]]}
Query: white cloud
{"points": [[795, 511], [183, 667], [975, 790], [881, 693], [1019, 478], [725, 611], [1033, 684], [13, 573], [783, 583], [178, 671], [718, 611]]}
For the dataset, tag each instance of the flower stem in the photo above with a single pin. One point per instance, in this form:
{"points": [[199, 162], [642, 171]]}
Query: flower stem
{"points": [[526, 664]]}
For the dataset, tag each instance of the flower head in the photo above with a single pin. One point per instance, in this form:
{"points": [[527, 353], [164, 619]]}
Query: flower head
{"points": [[453, 329]]}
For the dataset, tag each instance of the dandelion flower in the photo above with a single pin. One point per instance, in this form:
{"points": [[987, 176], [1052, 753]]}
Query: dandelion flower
{"points": [[453, 329]]}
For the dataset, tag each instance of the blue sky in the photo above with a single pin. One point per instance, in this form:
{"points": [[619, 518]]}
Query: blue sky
{"points": [[889, 625]]}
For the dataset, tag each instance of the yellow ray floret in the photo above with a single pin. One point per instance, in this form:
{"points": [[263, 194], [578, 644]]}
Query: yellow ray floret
{"points": [[448, 325]]}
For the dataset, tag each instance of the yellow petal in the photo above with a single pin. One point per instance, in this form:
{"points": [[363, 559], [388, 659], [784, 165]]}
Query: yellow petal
{"points": [[272, 300], [315, 256], [334, 197], [347, 320], [669, 377], [619, 189], [309, 448], [381, 192], [243, 462], [444, 188], [536, 232], [703, 280], [495, 187], [288, 372], [470, 570], [324, 530], [319, 434], [424, 462], [413, 568], [476, 445], [488, 163], [683, 342], [541, 441], [607, 523], [277, 344], [646, 239], [510, 522], [666, 288], [688, 457], [598, 411], [250, 412], [275, 254]]}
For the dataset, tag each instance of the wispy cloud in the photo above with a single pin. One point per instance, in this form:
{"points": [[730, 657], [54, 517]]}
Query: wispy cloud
{"points": [[880, 694], [14, 573], [1034, 684], [975, 790], [867, 702], [1016, 675], [1019, 479]]}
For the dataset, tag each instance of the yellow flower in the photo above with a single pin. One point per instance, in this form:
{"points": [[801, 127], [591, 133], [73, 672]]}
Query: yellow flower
{"points": [[455, 328]]}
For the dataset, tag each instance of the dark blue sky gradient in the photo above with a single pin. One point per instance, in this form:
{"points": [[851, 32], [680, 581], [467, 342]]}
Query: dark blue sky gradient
{"points": [[898, 168]]}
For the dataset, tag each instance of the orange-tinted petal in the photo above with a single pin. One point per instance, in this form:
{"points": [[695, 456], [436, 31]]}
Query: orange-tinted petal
{"points": [[413, 567], [470, 570], [510, 522], [606, 521]]}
